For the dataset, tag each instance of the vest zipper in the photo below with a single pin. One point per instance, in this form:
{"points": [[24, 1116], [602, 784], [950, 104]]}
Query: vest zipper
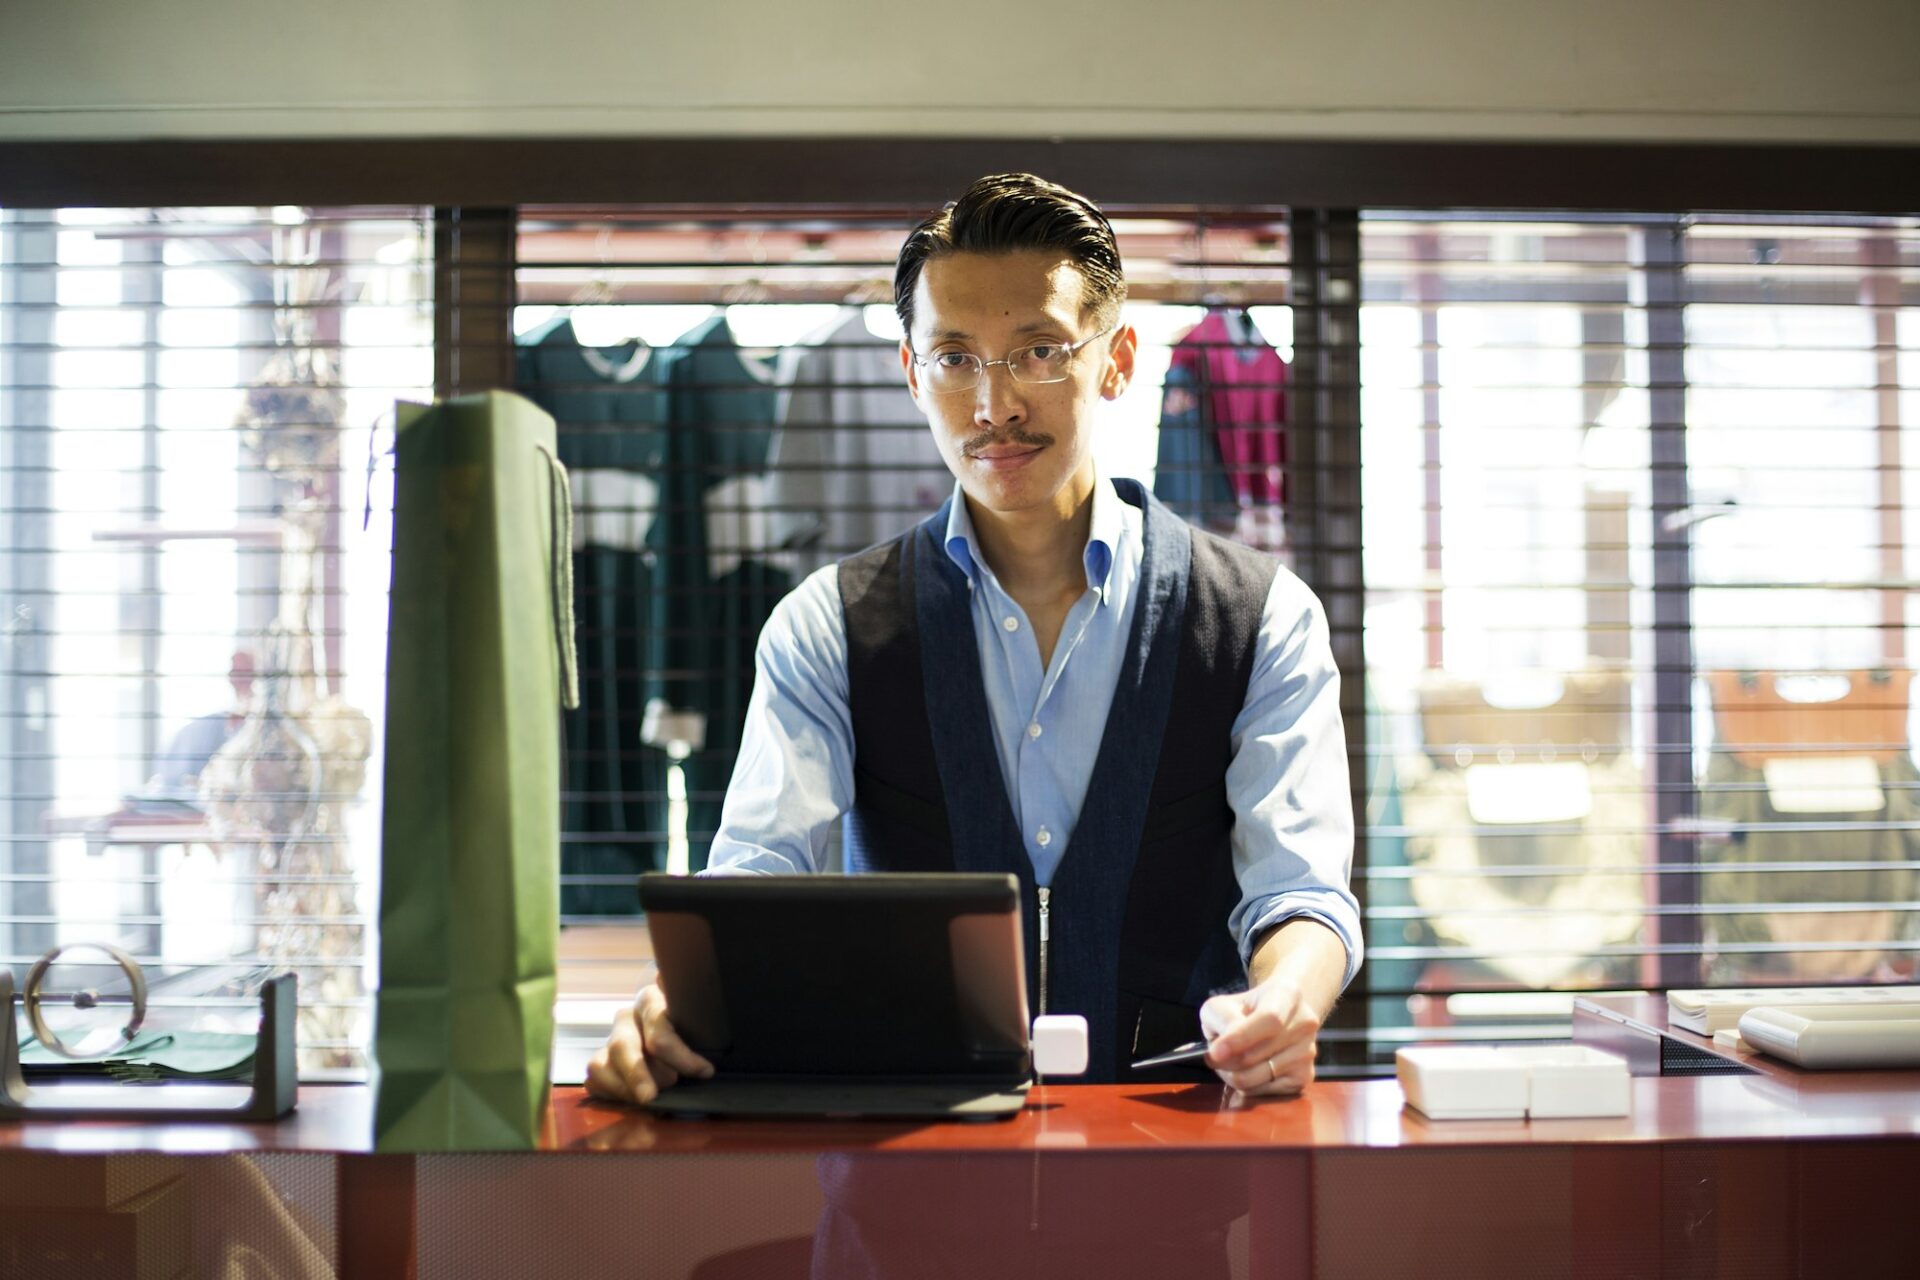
{"points": [[1046, 895]]}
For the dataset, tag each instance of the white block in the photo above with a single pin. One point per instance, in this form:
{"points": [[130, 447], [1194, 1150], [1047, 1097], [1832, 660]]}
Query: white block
{"points": [[1472, 1082], [1573, 1080], [1450, 1082], [1060, 1044]]}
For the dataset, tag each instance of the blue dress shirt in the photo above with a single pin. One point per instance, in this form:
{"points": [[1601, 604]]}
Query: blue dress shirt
{"points": [[1293, 821]]}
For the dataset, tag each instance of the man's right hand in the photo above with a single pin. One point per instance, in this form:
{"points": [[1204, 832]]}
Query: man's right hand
{"points": [[643, 1053]]}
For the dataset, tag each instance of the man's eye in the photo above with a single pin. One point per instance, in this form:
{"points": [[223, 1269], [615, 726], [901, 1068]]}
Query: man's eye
{"points": [[1044, 352], [951, 360]]}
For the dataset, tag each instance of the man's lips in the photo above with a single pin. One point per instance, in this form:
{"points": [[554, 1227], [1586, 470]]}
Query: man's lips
{"points": [[1006, 457]]}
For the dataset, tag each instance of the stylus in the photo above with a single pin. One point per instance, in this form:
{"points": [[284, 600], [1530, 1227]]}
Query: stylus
{"points": [[1192, 1051]]}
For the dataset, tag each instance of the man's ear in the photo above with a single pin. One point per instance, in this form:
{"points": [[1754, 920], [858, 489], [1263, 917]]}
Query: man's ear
{"points": [[911, 369], [1124, 346]]}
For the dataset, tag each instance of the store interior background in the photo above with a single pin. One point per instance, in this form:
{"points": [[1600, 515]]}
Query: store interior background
{"points": [[1841, 74]]}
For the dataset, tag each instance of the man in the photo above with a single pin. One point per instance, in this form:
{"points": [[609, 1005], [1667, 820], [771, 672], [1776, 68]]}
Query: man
{"points": [[1054, 676]]}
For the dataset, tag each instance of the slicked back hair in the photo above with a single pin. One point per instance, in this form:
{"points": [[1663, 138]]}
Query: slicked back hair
{"points": [[1011, 213]]}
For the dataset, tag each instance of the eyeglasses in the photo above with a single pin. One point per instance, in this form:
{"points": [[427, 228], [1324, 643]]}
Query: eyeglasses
{"points": [[1039, 362]]}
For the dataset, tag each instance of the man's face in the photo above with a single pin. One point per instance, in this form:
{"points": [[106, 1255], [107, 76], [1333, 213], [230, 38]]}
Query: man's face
{"points": [[1014, 446]]}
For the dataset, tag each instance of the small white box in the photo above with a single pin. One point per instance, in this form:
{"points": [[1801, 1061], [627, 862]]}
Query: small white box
{"points": [[1060, 1044], [1474, 1082], [1463, 1082], [1573, 1080]]}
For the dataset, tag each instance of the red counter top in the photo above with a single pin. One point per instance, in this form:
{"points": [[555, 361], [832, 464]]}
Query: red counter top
{"points": [[1775, 1105]]}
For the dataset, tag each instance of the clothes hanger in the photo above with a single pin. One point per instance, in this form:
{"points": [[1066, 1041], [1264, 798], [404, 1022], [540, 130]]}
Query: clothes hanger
{"points": [[609, 321], [762, 362], [874, 299]]}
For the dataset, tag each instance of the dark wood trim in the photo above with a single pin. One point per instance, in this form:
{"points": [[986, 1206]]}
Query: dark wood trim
{"points": [[473, 294], [1323, 519], [919, 172], [1676, 800]]}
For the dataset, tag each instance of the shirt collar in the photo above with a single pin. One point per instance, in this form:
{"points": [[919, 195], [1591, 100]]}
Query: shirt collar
{"points": [[1103, 537]]}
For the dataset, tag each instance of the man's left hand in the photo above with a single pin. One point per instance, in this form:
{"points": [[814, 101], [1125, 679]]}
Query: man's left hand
{"points": [[1264, 1040]]}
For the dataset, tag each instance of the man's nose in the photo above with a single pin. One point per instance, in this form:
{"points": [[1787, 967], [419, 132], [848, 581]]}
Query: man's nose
{"points": [[997, 401]]}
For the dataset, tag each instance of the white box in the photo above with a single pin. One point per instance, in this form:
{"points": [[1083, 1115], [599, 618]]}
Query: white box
{"points": [[1573, 1080], [1463, 1082], [1474, 1082], [1060, 1044]]}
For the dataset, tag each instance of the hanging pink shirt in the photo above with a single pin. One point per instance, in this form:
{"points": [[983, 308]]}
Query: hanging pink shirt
{"points": [[1244, 390]]}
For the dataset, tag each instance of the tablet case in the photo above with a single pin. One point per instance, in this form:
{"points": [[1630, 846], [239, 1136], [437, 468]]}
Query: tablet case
{"points": [[868, 995]]}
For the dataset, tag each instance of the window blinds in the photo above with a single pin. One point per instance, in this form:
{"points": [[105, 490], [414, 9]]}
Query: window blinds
{"points": [[1607, 512], [1637, 610], [193, 657]]}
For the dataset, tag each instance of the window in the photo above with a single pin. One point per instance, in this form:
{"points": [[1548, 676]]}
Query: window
{"points": [[1801, 403], [1636, 612], [193, 666], [1632, 536]]}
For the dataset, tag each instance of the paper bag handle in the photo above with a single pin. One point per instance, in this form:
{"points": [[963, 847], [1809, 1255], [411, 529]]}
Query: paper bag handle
{"points": [[562, 578]]}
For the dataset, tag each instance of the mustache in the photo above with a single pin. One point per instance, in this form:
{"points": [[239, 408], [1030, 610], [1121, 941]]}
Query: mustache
{"points": [[1015, 435]]}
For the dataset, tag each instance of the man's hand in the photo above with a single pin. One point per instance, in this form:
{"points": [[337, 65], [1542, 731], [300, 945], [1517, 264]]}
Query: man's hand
{"points": [[1263, 1041], [643, 1053]]}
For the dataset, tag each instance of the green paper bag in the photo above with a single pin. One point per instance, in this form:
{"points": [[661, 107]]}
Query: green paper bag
{"points": [[479, 662]]}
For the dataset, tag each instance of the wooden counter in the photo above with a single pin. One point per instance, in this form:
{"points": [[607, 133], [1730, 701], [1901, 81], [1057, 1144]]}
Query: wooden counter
{"points": [[1762, 1174]]}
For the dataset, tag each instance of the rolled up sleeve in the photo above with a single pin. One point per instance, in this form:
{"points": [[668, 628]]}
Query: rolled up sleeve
{"points": [[794, 773], [1293, 811]]}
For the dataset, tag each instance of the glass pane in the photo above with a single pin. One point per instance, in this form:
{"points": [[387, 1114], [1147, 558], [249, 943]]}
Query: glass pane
{"points": [[1505, 410], [1799, 455], [197, 615]]}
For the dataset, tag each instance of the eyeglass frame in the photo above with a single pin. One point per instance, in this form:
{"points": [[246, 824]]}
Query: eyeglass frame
{"points": [[1072, 349]]}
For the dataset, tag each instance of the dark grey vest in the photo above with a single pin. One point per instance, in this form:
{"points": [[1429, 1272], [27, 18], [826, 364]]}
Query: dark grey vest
{"points": [[1141, 897]]}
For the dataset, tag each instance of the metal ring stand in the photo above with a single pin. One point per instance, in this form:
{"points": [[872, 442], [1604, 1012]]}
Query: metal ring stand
{"points": [[136, 979], [270, 1095]]}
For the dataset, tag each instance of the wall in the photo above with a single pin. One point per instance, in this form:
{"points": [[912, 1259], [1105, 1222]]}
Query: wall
{"points": [[1754, 70]]}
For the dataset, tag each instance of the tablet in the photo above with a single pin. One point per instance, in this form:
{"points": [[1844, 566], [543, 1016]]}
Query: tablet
{"points": [[836, 987]]}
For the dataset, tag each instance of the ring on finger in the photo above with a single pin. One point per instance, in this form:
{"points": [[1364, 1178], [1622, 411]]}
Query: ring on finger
{"points": [[1273, 1072]]}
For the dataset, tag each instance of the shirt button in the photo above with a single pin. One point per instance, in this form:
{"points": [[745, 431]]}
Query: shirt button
{"points": [[1033, 730], [1043, 837], [1011, 624]]}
